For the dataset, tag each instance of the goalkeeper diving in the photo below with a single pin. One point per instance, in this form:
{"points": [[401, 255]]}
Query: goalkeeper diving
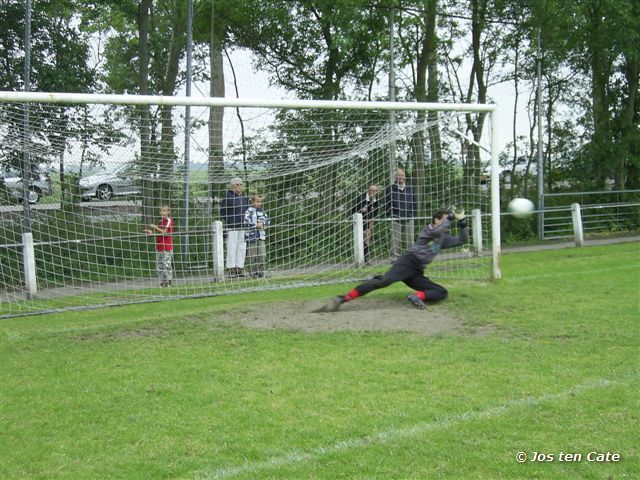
{"points": [[409, 268]]}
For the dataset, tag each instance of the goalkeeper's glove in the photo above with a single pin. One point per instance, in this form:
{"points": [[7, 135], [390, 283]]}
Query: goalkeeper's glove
{"points": [[460, 217], [456, 213], [451, 216]]}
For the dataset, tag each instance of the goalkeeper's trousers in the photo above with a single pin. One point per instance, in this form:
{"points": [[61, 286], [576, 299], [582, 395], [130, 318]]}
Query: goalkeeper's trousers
{"points": [[409, 270]]}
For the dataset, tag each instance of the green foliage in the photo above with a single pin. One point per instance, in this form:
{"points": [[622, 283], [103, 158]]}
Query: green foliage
{"points": [[517, 230], [339, 49], [59, 48], [70, 193], [107, 250], [315, 47], [59, 62]]}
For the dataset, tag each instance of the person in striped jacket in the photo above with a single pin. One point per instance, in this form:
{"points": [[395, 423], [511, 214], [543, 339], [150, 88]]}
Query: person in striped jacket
{"points": [[256, 221]]}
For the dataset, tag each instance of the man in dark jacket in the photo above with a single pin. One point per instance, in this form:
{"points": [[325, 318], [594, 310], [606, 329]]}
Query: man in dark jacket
{"points": [[409, 268], [368, 205], [400, 206], [232, 210]]}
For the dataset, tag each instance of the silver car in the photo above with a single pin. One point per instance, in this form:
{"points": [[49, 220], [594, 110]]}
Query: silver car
{"points": [[40, 185], [121, 181]]}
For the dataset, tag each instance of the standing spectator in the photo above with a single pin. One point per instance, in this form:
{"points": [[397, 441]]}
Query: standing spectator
{"points": [[368, 205], [400, 205], [256, 220], [164, 245], [232, 210], [410, 267]]}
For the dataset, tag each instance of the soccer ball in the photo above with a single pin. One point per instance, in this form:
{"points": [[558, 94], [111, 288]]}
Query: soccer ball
{"points": [[520, 207]]}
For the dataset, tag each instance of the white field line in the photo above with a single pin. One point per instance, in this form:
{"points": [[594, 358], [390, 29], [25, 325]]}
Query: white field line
{"points": [[392, 435]]}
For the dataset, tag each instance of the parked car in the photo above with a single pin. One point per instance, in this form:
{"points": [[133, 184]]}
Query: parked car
{"points": [[39, 186], [103, 186]]}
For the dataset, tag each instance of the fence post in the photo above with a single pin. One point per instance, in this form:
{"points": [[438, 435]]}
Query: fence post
{"points": [[576, 216], [29, 264], [476, 228], [218, 250], [358, 239]]}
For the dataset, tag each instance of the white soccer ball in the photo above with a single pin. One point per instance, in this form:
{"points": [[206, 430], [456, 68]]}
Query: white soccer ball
{"points": [[521, 207]]}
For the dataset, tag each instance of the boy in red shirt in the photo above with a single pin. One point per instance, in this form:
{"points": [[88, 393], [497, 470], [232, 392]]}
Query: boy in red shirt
{"points": [[164, 245]]}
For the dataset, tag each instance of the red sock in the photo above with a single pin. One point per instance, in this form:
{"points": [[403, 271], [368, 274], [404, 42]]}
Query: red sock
{"points": [[351, 295], [421, 295]]}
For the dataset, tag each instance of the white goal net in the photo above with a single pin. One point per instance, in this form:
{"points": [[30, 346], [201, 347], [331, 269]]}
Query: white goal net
{"points": [[125, 203]]}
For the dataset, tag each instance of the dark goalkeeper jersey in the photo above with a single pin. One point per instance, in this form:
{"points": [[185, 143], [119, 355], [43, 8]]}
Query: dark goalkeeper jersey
{"points": [[433, 239]]}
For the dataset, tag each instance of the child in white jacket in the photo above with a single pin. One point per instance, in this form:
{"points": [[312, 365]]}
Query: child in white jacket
{"points": [[256, 221]]}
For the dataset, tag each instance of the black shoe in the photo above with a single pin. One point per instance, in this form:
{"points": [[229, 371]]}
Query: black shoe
{"points": [[416, 302], [334, 304]]}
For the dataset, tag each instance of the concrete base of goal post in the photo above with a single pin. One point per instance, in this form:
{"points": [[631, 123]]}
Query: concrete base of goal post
{"points": [[218, 250], [358, 239], [476, 231], [29, 263], [576, 216]]}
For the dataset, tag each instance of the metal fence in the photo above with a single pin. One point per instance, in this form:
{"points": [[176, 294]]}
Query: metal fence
{"points": [[600, 212]]}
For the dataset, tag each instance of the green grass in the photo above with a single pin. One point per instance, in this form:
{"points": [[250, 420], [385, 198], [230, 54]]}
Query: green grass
{"points": [[547, 362]]}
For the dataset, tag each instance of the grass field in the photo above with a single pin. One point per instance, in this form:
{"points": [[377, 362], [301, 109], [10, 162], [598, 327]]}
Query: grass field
{"points": [[545, 361]]}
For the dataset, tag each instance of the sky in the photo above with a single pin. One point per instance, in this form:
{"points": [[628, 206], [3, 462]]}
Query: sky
{"points": [[254, 84]]}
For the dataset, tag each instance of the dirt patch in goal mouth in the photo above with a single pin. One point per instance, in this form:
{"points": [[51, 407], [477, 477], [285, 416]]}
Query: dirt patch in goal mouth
{"points": [[365, 315]]}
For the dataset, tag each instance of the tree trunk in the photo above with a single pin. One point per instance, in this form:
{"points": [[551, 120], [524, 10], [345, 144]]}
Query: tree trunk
{"points": [[167, 149], [433, 80], [547, 167], [476, 124], [426, 78], [144, 110], [216, 115], [516, 78], [600, 70], [330, 90], [632, 75]]}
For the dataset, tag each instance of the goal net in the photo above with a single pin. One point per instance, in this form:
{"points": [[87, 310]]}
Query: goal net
{"points": [[108, 200]]}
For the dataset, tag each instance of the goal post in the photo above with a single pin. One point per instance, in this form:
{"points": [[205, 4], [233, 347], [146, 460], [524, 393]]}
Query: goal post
{"points": [[103, 166]]}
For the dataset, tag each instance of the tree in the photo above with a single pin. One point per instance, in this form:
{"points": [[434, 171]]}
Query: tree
{"points": [[419, 46], [318, 49], [59, 63], [470, 36], [314, 47], [144, 46], [602, 43]]}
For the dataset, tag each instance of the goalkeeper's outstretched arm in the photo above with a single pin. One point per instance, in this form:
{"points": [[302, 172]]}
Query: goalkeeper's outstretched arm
{"points": [[451, 241]]}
